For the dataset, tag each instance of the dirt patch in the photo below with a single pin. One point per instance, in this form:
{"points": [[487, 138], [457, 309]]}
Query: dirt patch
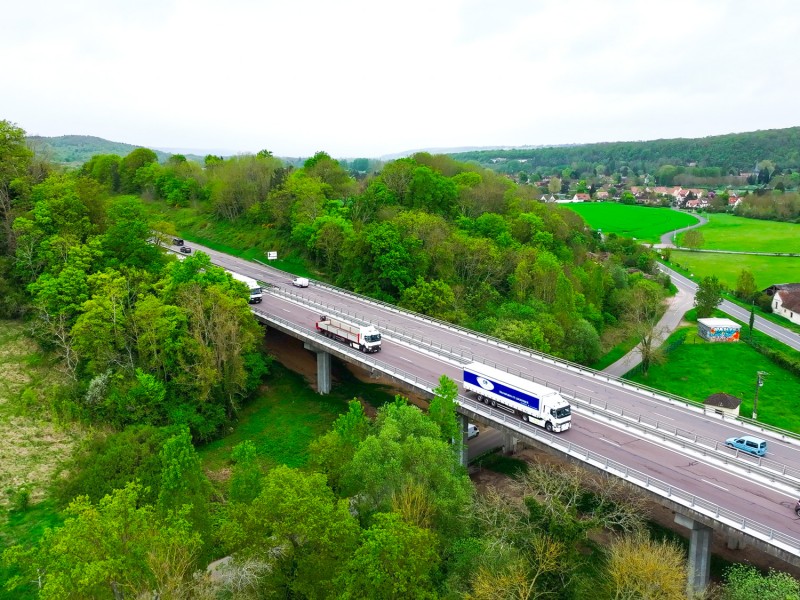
{"points": [[30, 446]]}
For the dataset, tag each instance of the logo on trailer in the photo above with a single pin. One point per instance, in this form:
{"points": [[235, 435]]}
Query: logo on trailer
{"points": [[485, 383]]}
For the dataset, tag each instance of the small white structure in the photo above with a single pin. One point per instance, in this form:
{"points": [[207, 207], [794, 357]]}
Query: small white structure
{"points": [[724, 404], [718, 330]]}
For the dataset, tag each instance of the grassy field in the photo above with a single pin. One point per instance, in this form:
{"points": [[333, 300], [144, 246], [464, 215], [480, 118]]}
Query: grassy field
{"points": [[245, 240], [284, 420], [766, 269], [729, 232], [30, 445], [645, 223], [697, 369]]}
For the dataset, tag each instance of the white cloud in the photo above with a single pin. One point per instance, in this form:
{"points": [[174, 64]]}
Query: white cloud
{"points": [[358, 78]]}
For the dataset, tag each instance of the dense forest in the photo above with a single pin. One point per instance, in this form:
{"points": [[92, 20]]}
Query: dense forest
{"points": [[717, 156], [159, 355]]}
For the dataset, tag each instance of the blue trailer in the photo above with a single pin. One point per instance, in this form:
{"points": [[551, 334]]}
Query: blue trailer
{"points": [[534, 403]]}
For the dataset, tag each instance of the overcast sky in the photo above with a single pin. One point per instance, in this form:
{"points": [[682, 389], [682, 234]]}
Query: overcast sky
{"points": [[368, 78]]}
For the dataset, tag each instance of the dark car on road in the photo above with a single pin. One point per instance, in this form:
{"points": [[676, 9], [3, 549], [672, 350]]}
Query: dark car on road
{"points": [[186, 250], [177, 241]]}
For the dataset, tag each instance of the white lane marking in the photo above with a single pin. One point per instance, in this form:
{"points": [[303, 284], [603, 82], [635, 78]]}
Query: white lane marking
{"points": [[612, 442], [407, 359], [662, 416], [580, 387], [724, 489]]}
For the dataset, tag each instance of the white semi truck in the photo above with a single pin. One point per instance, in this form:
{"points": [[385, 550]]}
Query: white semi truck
{"points": [[256, 294], [535, 403], [360, 337]]}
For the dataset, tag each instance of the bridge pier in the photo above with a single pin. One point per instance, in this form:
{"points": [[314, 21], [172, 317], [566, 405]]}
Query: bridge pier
{"points": [[323, 368], [699, 554], [509, 443]]}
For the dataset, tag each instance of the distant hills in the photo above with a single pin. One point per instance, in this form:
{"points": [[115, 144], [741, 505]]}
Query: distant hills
{"points": [[734, 152], [74, 150]]}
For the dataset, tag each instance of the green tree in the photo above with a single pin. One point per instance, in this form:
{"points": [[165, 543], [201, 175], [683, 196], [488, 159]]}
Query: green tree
{"points": [[298, 527], [407, 447], [126, 241], [14, 160], [442, 410], [744, 582], [693, 239], [245, 483], [109, 461], [643, 308], [338, 182], [752, 319], [184, 486], [584, 342], [433, 298], [114, 549], [333, 451], [130, 165], [746, 285], [101, 331], [708, 296], [396, 560]]}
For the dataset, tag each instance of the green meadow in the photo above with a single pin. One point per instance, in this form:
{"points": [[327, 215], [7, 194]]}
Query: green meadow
{"points": [[766, 269], [696, 369], [645, 223], [729, 232]]}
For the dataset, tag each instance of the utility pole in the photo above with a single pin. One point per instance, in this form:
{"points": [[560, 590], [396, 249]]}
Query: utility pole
{"points": [[759, 383]]}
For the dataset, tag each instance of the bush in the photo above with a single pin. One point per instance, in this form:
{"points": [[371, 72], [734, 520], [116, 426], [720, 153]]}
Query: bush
{"points": [[19, 497]]}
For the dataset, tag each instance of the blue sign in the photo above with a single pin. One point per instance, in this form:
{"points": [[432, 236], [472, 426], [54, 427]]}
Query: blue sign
{"points": [[500, 389]]}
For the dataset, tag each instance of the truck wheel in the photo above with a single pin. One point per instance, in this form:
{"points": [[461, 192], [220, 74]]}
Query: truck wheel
{"points": [[493, 404], [549, 426]]}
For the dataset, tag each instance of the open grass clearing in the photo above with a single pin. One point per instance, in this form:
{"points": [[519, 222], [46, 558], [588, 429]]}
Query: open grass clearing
{"points": [[244, 240], [697, 369], [645, 223], [287, 417], [726, 267], [30, 444], [729, 232]]}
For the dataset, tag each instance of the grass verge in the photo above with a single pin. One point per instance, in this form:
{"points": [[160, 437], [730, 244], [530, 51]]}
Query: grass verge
{"points": [[696, 369]]}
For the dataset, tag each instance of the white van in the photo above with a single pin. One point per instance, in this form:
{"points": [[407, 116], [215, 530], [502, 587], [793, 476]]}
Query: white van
{"points": [[472, 431], [300, 282]]}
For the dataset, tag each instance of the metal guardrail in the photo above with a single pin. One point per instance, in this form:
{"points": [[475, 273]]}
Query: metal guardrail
{"points": [[682, 497], [534, 354], [768, 468]]}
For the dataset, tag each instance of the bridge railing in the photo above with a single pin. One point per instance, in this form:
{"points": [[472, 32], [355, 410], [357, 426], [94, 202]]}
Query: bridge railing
{"points": [[638, 478], [439, 347], [767, 468]]}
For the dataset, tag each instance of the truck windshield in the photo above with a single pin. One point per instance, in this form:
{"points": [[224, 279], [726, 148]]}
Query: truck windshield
{"points": [[255, 290], [372, 338], [560, 413]]}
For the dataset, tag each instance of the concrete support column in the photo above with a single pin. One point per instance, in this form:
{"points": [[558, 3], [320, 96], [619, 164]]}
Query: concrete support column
{"points": [[699, 554], [509, 443], [463, 422], [323, 369]]}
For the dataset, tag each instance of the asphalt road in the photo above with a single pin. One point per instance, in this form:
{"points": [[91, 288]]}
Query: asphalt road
{"points": [[769, 504]]}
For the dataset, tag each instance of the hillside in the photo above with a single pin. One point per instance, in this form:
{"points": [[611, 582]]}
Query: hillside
{"points": [[736, 151], [75, 150]]}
